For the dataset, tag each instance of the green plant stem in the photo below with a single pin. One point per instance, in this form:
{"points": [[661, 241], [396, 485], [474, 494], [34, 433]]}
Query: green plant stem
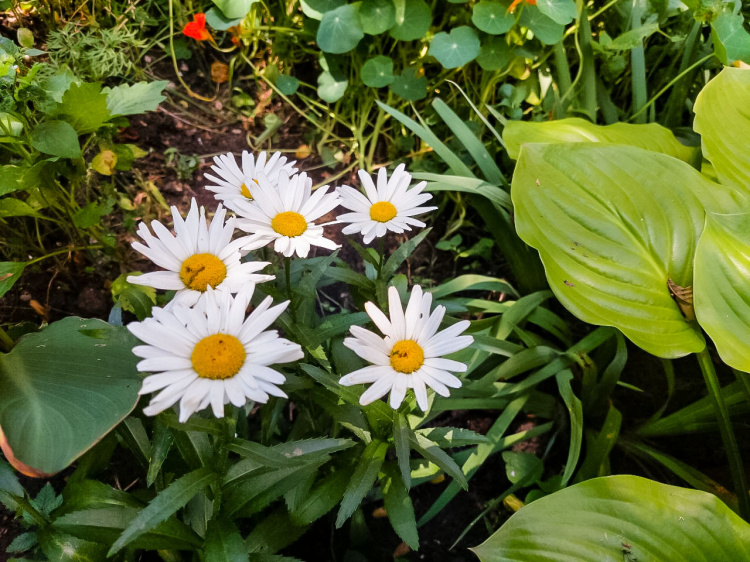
{"points": [[6, 342], [289, 295], [564, 81], [381, 260], [63, 251], [638, 67], [676, 101], [727, 433]]}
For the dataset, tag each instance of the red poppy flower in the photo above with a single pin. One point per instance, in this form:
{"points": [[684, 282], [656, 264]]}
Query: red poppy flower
{"points": [[196, 29]]}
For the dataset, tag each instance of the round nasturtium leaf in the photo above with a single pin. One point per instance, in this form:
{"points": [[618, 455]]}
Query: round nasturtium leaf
{"points": [[286, 84], [545, 29], [722, 289], [413, 20], [377, 16], [409, 86], [340, 30], [316, 8], [378, 72], [618, 518], [62, 390], [613, 226], [723, 121], [457, 48], [331, 87], [559, 11], [492, 17], [495, 54]]}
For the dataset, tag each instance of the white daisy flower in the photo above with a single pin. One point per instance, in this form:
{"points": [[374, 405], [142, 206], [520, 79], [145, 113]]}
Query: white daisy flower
{"points": [[201, 254], [212, 354], [389, 206], [234, 182], [410, 354], [285, 215]]}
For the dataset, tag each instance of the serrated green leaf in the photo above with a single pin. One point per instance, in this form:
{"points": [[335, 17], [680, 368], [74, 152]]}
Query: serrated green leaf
{"points": [[607, 236], [140, 97], [362, 480], [457, 48], [722, 120], [492, 17], [429, 450], [378, 72], [618, 518], [174, 496], [57, 138], [323, 498], [402, 436], [224, 542], [721, 291], [413, 20], [404, 251], [22, 543], [651, 137], [398, 506], [340, 29], [445, 437], [377, 16], [84, 106]]}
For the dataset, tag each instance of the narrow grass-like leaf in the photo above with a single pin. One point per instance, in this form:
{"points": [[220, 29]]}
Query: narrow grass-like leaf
{"points": [[175, 496], [398, 506], [362, 480]]}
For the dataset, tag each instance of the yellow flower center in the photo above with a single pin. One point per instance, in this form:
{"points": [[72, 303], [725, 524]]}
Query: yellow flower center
{"points": [[201, 270], [220, 356], [289, 224], [407, 356], [245, 191], [382, 211]]}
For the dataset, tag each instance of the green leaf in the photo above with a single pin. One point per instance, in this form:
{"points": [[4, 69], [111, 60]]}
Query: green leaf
{"points": [[316, 8], [545, 29], [430, 450], [10, 272], [10, 125], [559, 11], [575, 411], [377, 16], [651, 137], [722, 120], [495, 54], [174, 496], [62, 547], [62, 391], [323, 498], [721, 291], [521, 467], [408, 86], [90, 494], [138, 98], [457, 48], [287, 85], [104, 525], [10, 207], [620, 518], [57, 138], [632, 38], [22, 543], [234, 8], [413, 20], [11, 179], [378, 72], [362, 480], [340, 29], [731, 39], [492, 17], [84, 106], [92, 213], [331, 87], [224, 542], [445, 437], [606, 221], [218, 21], [398, 506], [138, 299], [404, 251]]}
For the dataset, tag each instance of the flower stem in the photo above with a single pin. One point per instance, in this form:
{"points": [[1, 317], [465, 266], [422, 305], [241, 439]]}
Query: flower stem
{"points": [[6, 342], [289, 295], [727, 433], [381, 259]]}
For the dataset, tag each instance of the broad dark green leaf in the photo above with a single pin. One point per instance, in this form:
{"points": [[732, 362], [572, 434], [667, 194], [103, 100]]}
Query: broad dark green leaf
{"points": [[61, 391], [492, 17], [409, 85], [340, 29], [413, 19], [57, 138], [547, 30], [618, 518], [378, 72], [377, 16]]}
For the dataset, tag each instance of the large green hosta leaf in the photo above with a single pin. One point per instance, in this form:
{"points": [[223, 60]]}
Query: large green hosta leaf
{"points": [[722, 286], [62, 390], [722, 117], [613, 225], [620, 518], [650, 137]]}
